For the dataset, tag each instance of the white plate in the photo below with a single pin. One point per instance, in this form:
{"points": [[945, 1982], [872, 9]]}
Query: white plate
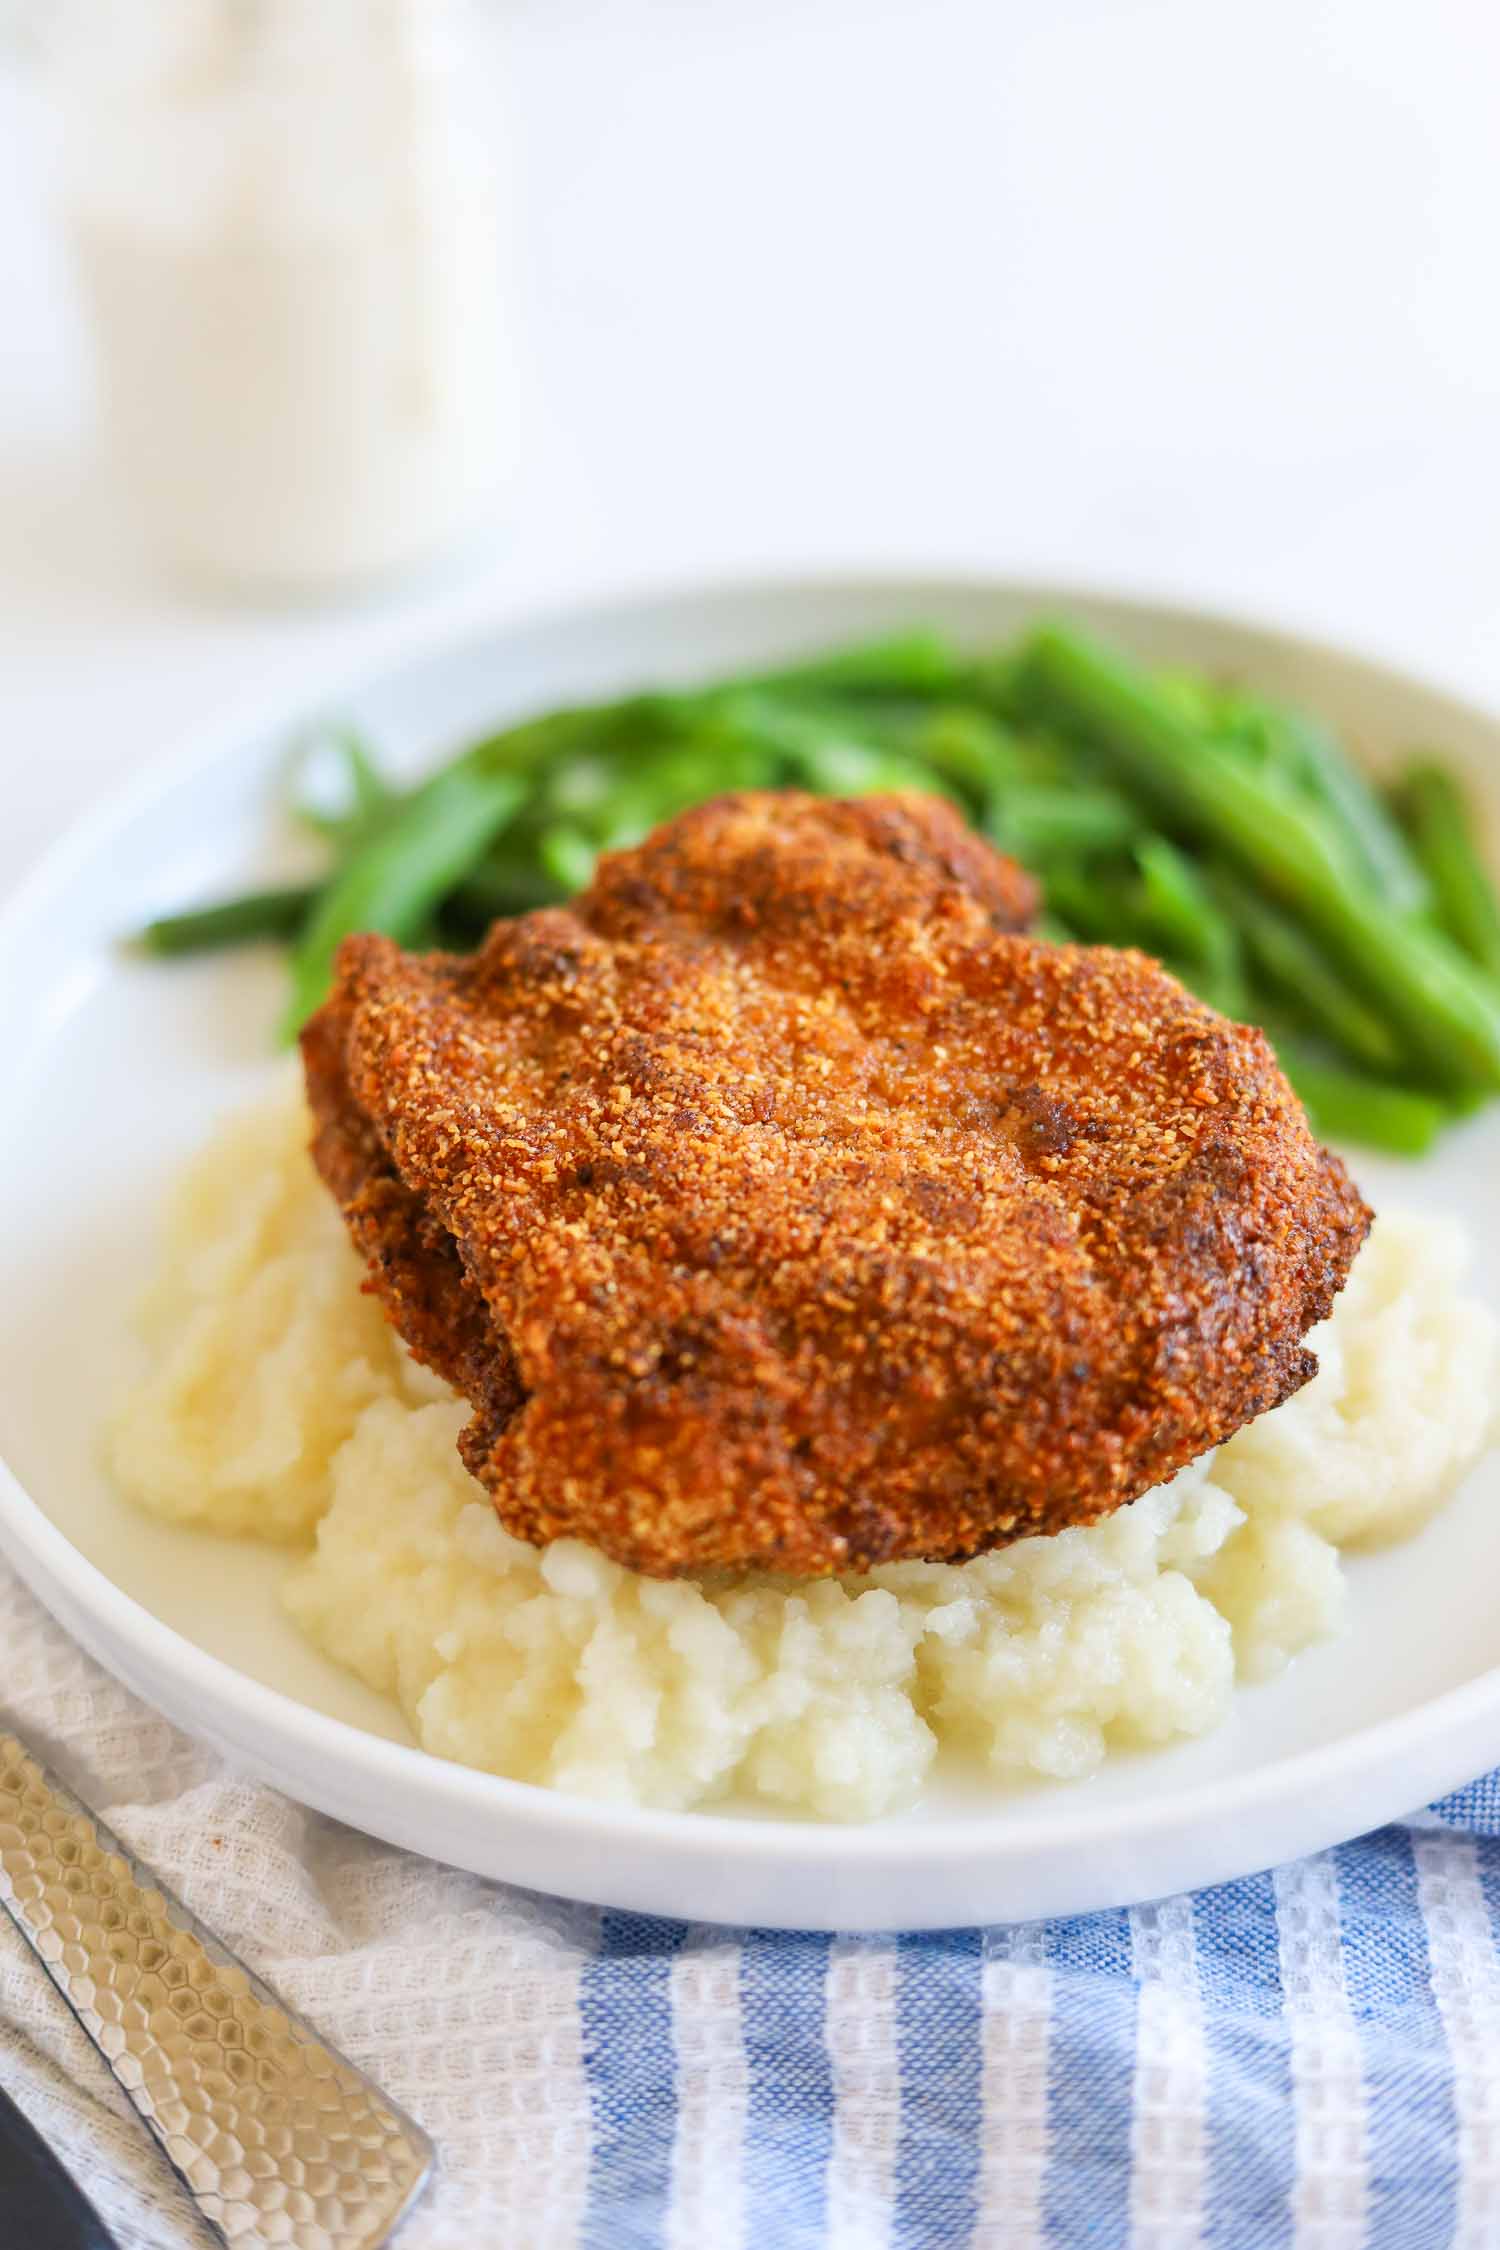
{"points": [[116, 1071]]}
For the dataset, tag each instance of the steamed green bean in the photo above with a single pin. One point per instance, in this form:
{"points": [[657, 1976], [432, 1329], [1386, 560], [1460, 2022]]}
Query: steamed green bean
{"points": [[395, 881], [1344, 1106], [1441, 829], [1448, 1013], [1226, 834], [278, 913]]}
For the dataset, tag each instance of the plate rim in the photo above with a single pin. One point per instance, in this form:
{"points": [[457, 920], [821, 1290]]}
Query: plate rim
{"points": [[30, 1537]]}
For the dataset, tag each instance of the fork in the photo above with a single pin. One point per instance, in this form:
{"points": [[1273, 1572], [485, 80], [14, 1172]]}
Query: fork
{"points": [[277, 2138]]}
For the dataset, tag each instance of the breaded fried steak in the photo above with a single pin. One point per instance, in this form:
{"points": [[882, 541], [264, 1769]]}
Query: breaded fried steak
{"points": [[778, 1203]]}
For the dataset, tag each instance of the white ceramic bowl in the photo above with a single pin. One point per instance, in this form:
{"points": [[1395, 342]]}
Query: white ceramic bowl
{"points": [[116, 1071]]}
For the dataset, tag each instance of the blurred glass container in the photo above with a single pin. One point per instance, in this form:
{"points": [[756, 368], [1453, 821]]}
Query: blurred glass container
{"points": [[286, 224]]}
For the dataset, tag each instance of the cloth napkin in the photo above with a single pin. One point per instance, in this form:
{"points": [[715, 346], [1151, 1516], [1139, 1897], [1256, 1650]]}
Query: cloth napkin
{"points": [[1309, 2057]]}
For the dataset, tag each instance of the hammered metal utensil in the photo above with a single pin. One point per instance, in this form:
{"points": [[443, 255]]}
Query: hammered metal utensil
{"points": [[278, 2140]]}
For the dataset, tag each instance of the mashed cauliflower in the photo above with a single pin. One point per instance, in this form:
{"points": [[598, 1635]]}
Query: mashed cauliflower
{"points": [[280, 1405]]}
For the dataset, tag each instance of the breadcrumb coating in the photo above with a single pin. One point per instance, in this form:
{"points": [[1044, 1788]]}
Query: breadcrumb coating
{"points": [[779, 1204]]}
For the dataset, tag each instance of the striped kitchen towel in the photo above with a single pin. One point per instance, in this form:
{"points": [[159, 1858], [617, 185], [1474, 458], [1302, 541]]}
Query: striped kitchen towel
{"points": [[1310, 2057]]}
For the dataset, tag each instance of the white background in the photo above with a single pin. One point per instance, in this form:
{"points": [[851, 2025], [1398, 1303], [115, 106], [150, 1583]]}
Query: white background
{"points": [[1190, 295]]}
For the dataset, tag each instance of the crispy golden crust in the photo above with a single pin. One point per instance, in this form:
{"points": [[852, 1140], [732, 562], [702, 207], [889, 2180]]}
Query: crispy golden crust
{"points": [[777, 1205]]}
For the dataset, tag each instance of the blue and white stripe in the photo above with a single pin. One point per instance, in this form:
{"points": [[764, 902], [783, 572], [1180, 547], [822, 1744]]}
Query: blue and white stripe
{"points": [[1169, 2095], [863, 1974], [707, 2202], [1015, 1999], [1308, 2058], [1466, 1987], [1330, 2205]]}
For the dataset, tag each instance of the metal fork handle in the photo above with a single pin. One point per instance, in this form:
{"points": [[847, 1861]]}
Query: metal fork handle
{"points": [[277, 2138]]}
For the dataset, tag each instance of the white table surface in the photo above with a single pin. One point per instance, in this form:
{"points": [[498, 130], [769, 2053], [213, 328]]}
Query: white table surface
{"points": [[1200, 299]]}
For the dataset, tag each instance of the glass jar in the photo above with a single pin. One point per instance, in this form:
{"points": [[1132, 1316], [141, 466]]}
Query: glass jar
{"points": [[287, 228]]}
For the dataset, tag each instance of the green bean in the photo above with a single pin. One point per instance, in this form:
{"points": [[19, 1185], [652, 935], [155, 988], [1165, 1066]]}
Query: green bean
{"points": [[233, 921], [1302, 977], [916, 664], [1441, 827], [1177, 904], [1219, 985], [858, 769], [1175, 899], [1445, 1010], [995, 680], [580, 785], [971, 749], [833, 749], [913, 667], [650, 789], [1160, 906], [1198, 700], [1041, 822], [1298, 747], [1343, 1106], [917, 661], [1226, 835], [497, 888], [537, 746], [1101, 904], [396, 879], [567, 856], [576, 756], [1373, 836], [369, 790], [363, 792]]}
